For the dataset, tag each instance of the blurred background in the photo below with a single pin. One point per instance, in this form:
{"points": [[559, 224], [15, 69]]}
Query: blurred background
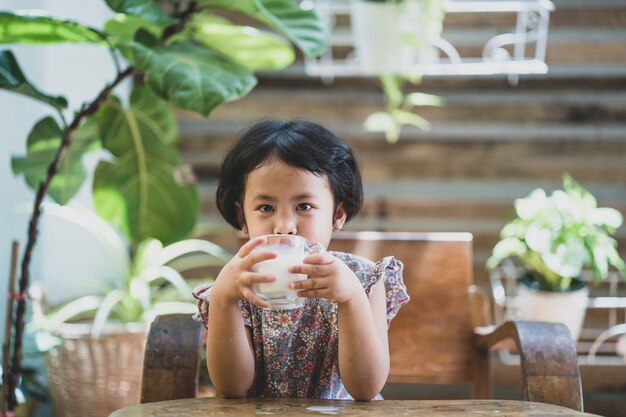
{"points": [[492, 139]]}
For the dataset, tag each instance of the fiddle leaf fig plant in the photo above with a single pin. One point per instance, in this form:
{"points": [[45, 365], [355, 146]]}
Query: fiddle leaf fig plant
{"points": [[555, 237], [185, 54]]}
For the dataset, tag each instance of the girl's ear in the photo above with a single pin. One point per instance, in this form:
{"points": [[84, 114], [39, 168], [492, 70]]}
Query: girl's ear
{"points": [[339, 218], [241, 219]]}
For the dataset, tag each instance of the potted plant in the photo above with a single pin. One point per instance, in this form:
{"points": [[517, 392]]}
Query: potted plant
{"points": [[391, 37], [556, 239], [99, 338], [182, 55]]}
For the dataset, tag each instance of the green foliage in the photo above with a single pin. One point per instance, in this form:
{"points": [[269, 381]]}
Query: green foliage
{"points": [[143, 192], [12, 79], [34, 27], [555, 237], [152, 284], [400, 107], [190, 57], [42, 143]]}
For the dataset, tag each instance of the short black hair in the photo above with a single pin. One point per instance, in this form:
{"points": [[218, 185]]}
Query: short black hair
{"points": [[300, 143]]}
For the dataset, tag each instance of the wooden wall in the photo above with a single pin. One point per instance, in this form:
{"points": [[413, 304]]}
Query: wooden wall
{"points": [[490, 143]]}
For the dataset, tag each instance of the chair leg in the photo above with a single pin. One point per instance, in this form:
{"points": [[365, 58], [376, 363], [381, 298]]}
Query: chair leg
{"points": [[483, 375]]}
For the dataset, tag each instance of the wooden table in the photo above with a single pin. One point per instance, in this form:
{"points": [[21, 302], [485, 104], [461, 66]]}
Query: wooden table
{"points": [[288, 407]]}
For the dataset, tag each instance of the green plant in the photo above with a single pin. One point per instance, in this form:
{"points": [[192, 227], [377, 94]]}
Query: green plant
{"points": [[556, 237], [185, 54], [399, 107], [427, 15], [151, 284]]}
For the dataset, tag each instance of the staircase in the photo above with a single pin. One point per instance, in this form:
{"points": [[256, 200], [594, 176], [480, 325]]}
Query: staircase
{"points": [[489, 144]]}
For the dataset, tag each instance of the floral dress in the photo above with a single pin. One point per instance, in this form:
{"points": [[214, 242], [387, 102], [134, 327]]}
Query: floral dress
{"points": [[296, 350]]}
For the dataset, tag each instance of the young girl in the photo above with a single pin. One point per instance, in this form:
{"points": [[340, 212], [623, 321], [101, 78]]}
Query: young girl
{"points": [[297, 178]]}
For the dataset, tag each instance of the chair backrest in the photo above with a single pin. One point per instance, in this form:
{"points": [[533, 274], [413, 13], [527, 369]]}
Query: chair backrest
{"points": [[430, 338]]}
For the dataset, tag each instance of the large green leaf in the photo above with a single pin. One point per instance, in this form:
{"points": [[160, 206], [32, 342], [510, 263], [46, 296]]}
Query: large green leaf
{"points": [[43, 143], [141, 192], [250, 47], [303, 27], [190, 76], [12, 79], [147, 9], [28, 27]]}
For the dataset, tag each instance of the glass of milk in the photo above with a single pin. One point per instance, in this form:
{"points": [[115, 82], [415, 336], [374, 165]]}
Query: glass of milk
{"points": [[291, 251]]}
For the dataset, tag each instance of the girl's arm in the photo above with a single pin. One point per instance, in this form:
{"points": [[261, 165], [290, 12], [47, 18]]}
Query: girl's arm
{"points": [[229, 350], [363, 345], [363, 348]]}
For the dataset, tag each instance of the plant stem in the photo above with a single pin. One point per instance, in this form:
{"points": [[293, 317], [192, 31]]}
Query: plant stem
{"points": [[6, 342], [42, 190]]}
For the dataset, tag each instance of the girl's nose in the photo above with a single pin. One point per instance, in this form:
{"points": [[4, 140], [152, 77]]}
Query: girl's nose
{"points": [[285, 227]]}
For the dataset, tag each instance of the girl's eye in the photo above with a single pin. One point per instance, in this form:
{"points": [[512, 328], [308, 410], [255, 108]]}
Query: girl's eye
{"points": [[304, 207], [265, 208]]}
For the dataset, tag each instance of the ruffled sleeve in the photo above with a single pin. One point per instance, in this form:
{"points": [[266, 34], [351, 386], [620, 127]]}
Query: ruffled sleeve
{"points": [[202, 293], [389, 269]]}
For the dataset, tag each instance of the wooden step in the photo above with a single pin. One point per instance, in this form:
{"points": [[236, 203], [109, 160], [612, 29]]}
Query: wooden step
{"points": [[529, 151], [508, 104]]}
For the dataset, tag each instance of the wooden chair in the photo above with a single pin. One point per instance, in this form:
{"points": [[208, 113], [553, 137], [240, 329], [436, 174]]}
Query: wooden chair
{"points": [[440, 336]]}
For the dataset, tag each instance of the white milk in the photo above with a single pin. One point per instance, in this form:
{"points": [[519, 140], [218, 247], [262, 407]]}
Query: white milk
{"points": [[290, 251], [279, 268]]}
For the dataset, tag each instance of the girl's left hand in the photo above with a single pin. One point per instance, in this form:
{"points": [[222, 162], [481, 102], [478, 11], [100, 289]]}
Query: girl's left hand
{"points": [[329, 278]]}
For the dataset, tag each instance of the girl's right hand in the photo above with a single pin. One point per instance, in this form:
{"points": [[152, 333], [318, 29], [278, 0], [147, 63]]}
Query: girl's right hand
{"points": [[235, 281]]}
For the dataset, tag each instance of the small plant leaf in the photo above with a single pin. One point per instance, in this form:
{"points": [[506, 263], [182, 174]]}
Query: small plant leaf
{"points": [[33, 28], [12, 78], [302, 26], [42, 145], [122, 27], [252, 48], [104, 311], [148, 10]]}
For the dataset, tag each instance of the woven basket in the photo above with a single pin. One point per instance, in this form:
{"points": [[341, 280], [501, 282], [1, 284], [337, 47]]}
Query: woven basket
{"points": [[94, 377]]}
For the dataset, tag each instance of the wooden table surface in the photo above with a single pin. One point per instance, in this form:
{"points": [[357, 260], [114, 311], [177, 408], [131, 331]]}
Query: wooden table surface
{"points": [[287, 407]]}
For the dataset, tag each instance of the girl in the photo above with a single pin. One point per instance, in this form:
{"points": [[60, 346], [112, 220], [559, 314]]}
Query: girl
{"points": [[298, 178]]}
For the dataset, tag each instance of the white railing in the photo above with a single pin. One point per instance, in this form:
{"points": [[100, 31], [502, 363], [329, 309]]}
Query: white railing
{"points": [[519, 51]]}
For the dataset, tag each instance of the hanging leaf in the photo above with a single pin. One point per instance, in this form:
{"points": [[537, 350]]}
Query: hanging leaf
{"points": [[407, 118], [423, 99], [12, 78], [146, 9], [303, 27], [190, 76], [142, 192], [43, 142], [383, 122], [22, 27], [252, 48]]}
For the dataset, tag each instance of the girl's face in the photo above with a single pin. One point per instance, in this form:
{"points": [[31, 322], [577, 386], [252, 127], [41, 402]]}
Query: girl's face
{"points": [[282, 199]]}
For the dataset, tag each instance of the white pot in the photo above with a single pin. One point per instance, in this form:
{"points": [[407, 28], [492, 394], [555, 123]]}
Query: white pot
{"points": [[379, 31], [567, 307]]}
